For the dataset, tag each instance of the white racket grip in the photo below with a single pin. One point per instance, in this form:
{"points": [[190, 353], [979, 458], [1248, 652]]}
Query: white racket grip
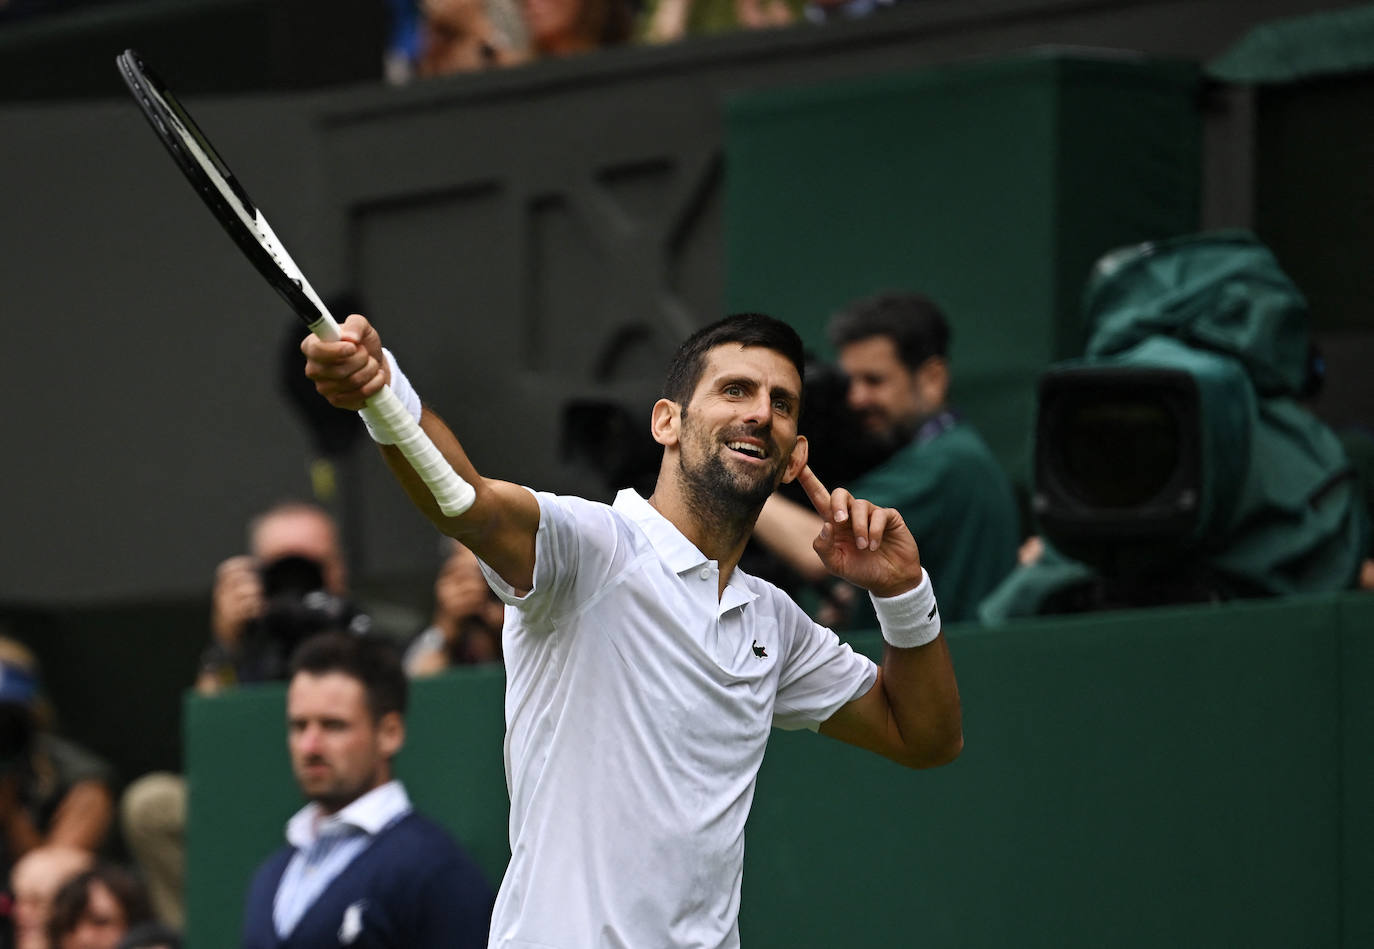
{"points": [[326, 327], [385, 413]]}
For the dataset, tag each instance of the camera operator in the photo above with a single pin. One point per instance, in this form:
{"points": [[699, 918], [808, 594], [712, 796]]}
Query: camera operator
{"points": [[292, 583], [928, 462]]}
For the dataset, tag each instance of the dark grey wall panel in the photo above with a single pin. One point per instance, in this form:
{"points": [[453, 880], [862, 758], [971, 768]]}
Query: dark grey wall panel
{"points": [[145, 423], [215, 46]]}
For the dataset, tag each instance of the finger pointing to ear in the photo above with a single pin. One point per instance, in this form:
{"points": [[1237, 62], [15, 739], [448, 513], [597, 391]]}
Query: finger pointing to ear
{"points": [[815, 492]]}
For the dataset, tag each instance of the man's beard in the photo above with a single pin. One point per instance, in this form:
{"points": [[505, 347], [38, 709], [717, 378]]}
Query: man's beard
{"points": [[339, 793], [890, 434], [712, 489]]}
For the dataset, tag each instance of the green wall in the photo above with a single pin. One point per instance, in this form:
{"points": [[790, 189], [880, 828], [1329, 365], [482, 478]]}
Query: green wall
{"points": [[1180, 776], [991, 186]]}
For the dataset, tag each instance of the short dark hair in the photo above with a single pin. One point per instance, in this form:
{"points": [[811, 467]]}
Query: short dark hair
{"points": [[912, 321], [74, 896], [746, 329], [372, 660]]}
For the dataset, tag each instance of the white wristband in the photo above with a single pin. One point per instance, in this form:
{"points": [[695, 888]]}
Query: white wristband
{"points": [[403, 390], [909, 619]]}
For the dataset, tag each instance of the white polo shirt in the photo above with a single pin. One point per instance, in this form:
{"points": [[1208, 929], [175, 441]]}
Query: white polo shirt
{"points": [[638, 705]]}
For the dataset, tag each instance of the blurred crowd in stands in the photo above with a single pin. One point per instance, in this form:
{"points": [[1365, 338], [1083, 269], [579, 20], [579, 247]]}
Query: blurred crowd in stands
{"points": [[92, 866], [66, 889], [441, 37]]}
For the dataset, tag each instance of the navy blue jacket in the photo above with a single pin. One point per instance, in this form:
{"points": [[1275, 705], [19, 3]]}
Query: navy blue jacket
{"points": [[410, 888]]}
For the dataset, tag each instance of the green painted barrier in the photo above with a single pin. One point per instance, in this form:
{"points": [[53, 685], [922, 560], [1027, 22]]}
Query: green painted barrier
{"points": [[1182, 776], [242, 792]]}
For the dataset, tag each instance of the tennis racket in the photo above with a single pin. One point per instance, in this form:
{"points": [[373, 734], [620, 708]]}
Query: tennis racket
{"points": [[244, 222]]}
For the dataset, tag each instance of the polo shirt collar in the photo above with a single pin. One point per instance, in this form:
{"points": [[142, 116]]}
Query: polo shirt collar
{"points": [[371, 814], [679, 553]]}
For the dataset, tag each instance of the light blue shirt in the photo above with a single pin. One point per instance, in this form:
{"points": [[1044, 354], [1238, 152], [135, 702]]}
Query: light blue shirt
{"points": [[325, 845]]}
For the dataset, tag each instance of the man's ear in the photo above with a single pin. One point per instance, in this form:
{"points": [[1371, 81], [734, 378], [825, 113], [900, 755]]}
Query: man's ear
{"points": [[932, 380], [391, 734], [665, 421], [800, 453]]}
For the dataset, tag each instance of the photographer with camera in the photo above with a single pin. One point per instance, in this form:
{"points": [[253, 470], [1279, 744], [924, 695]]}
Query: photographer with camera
{"points": [[466, 625], [292, 583]]}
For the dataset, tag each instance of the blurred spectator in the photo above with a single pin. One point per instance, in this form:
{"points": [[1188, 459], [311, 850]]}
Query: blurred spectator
{"points": [[96, 908], [402, 46], [666, 21], [824, 11], [469, 35], [468, 616], [34, 883], [941, 477], [152, 815], [361, 866], [52, 791], [563, 27]]}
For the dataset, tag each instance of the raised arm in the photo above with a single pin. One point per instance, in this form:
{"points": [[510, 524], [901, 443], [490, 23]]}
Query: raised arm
{"points": [[912, 713], [788, 529], [499, 526]]}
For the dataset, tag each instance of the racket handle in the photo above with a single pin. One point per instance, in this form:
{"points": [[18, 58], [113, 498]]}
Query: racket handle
{"points": [[385, 413]]}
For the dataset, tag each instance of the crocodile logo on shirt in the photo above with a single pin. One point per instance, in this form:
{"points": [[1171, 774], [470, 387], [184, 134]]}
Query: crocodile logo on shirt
{"points": [[760, 651]]}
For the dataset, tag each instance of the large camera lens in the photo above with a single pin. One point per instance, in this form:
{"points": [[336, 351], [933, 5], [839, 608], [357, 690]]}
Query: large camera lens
{"points": [[293, 575], [1118, 453]]}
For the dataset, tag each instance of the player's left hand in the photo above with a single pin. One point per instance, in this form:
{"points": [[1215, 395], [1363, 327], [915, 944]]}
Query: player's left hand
{"points": [[868, 546]]}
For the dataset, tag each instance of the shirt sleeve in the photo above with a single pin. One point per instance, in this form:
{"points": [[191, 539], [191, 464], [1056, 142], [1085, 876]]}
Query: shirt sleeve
{"points": [[578, 546], [820, 673]]}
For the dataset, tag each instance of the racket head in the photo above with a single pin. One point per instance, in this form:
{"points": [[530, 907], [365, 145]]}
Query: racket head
{"points": [[211, 178]]}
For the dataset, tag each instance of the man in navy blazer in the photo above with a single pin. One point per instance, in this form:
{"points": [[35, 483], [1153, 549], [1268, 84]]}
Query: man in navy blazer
{"points": [[361, 867]]}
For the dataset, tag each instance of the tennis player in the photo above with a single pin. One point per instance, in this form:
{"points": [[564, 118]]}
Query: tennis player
{"points": [[644, 671]]}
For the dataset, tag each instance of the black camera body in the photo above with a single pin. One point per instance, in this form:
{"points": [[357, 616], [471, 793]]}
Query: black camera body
{"points": [[297, 607]]}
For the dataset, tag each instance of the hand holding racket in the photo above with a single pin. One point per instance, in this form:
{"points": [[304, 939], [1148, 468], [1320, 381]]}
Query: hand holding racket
{"points": [[243, 221]]}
